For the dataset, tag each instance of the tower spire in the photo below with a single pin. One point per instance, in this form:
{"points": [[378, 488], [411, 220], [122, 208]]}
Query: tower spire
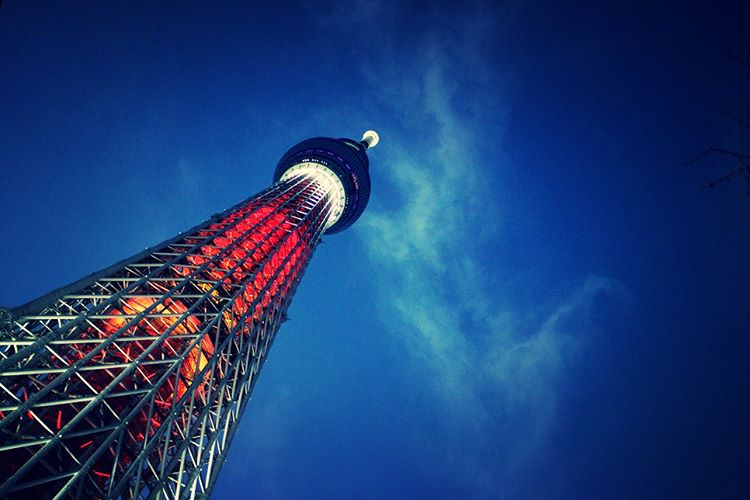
{"points": [[370, 139]]}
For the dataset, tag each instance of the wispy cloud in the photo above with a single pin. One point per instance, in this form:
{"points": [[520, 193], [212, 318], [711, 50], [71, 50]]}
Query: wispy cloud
{"points": [[491, 365]]}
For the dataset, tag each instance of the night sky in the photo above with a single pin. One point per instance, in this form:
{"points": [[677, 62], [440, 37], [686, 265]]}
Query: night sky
{"points": [[541, 300]]}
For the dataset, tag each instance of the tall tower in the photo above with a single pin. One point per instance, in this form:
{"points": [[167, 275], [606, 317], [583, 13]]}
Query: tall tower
{"points": [[130, 383]]}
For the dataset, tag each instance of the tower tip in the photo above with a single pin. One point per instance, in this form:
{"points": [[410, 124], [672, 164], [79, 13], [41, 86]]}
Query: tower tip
{"points": [[370, 139]]}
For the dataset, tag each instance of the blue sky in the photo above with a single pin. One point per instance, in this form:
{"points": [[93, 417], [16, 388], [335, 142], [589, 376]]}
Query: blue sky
{"points": [[539, 302]]}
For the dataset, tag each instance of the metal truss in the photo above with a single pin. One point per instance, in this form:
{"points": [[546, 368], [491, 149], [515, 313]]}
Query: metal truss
{"points": [[132, 385]]}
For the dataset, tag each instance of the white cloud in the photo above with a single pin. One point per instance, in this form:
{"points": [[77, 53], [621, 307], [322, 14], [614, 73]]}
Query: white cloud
{"points": [[489, 364]]}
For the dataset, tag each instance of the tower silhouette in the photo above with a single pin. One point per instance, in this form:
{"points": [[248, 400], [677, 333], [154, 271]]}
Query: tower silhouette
{"points": [[130, 382]]}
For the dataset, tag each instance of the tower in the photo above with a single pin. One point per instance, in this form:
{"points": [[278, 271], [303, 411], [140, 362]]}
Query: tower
{"points": [[130, 382]]}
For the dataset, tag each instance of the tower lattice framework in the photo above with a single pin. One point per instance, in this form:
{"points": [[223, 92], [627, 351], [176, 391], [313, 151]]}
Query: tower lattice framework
{"points": [[130, 382]]}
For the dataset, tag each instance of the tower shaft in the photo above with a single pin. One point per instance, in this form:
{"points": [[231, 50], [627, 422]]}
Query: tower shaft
{"points": [[130, 383]]}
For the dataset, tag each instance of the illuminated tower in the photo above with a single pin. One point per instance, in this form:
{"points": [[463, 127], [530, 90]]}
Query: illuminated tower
{"points": [[130, 383]]}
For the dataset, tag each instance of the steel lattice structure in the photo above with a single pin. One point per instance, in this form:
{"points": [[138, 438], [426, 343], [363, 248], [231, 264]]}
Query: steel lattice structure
{"points": [[130, 383]]}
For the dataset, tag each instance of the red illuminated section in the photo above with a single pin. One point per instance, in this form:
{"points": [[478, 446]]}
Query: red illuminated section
{"points": [[243, 266], [267, 250]]}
